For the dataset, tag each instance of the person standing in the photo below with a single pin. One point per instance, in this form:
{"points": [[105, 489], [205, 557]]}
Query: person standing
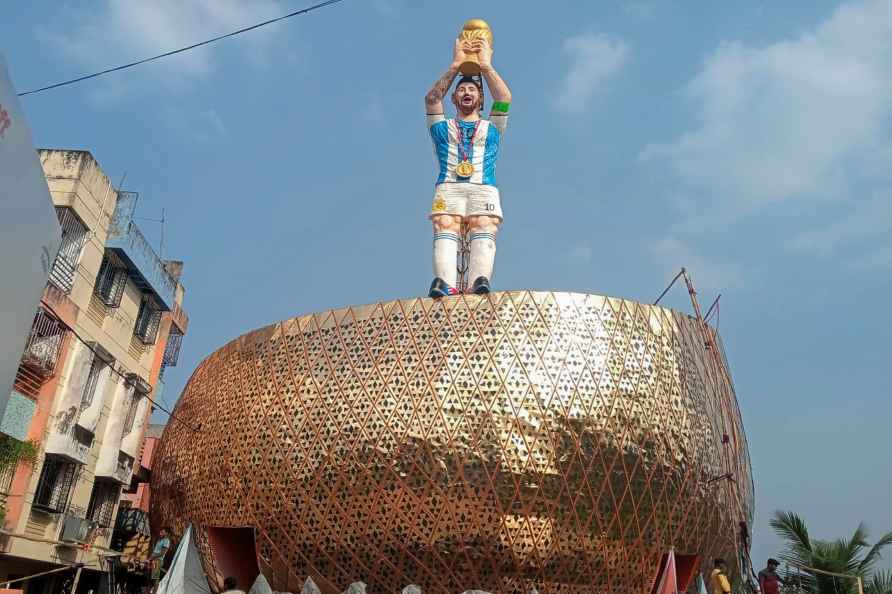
{"points": [[769, 581], [466, 148], [156, 559], [718, 580]]}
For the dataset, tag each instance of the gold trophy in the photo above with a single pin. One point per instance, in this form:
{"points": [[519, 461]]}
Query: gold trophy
{"points": [[473, 30]]}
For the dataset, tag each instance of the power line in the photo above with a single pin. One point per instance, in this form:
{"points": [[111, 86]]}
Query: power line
{"points": [[182, 49], [112, 368]]}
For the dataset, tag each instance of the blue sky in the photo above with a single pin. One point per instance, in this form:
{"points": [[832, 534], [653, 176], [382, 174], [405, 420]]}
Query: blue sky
{"points": [[748, 141]]}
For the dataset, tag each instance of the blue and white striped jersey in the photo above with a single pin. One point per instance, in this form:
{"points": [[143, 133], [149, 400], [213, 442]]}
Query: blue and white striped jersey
{"points": [[483, 152]]}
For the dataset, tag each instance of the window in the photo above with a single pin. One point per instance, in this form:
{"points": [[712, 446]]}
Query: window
{"points": [[147, 321], [110, 281], [92, 382], [103, 499], [125, 467], [74, 233], [82, 437], [56, 479], [171, 349], [7, 472], [131, 412]]}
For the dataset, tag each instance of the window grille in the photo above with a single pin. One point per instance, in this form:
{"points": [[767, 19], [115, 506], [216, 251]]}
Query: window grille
{"points": [[92, 383], [7, 472], [147, 321], [110, 281], [44, 342], [172, 348], [103, 499], [74, 233], [131, 412], [56, 479]]}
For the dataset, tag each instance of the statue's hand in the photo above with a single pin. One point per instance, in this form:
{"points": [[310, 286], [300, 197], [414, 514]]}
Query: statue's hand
{"points": [[484, 54], [459, 55]]}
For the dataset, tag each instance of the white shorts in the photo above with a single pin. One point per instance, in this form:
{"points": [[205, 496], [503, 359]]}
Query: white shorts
{"points": [[466, 200]]}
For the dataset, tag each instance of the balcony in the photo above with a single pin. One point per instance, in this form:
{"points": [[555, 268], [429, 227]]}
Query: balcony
{"points": [[144, 267], [74, 445], [44, 344]]}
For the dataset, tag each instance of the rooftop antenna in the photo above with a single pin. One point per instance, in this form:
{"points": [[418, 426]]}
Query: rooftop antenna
{"points": [[161, 222]]}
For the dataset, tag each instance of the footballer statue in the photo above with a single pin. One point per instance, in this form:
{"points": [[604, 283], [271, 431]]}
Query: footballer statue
{"points": [[467, 148]]}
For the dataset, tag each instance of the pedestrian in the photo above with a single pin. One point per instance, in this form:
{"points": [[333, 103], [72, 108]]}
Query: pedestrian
{"points": [[156, 559], [718, 580], [230, 586], [769, 581]]}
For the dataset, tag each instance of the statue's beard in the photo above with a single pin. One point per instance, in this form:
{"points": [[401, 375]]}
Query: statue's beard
{"points": [[467, 108]]}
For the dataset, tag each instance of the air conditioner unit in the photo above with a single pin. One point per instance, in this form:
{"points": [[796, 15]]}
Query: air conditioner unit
{"points": [[75, 529]]}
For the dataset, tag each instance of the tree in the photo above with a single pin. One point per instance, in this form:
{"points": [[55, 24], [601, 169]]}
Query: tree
{"points": [[880, 583], [853, 556], [13, 451]]}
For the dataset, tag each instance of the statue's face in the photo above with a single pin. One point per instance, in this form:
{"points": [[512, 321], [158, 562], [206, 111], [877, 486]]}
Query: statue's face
{"points": [[466, 98]]}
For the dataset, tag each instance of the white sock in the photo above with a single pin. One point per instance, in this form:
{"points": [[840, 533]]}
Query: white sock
{"points": [[446, 256], [483, 255]]}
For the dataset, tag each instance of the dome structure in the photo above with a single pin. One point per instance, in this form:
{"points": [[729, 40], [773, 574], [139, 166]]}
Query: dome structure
{"points": [[556, 441]]}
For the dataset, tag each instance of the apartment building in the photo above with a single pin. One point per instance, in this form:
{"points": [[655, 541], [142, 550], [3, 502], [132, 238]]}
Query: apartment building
{"points": [[110, 321]]}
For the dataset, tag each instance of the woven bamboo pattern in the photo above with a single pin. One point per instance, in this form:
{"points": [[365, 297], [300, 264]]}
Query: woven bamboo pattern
{"points": [[518, 440]]}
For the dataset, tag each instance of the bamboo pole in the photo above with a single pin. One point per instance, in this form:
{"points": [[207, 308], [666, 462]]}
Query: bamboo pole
{"points": [[77, 577], [28, 577]]}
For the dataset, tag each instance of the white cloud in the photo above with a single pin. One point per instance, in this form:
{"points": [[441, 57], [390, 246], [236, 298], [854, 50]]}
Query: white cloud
{"points": [[594, 61], [709, 274], [806, 118], [119, 31]]}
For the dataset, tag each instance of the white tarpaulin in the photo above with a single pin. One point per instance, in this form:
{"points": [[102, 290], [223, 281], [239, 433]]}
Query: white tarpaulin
{"points": [[185, 575], [29, 233]]}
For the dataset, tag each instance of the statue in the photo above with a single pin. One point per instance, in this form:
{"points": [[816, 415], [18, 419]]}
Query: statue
{"points": [[467, 148]]}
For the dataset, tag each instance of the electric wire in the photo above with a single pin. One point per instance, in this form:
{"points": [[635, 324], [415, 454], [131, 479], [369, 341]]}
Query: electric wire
{"points": [[182, 49], [87, 344]]}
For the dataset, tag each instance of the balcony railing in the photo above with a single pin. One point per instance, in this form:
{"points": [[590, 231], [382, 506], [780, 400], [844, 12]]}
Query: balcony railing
{"points": [[144, 267], [44, 343]]}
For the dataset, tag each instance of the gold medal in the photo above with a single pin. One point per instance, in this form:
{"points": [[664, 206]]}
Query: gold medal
{"points": [[464, 169]]}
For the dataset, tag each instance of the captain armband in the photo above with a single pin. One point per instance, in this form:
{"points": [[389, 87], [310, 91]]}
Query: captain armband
{"points": [[501, 106]]}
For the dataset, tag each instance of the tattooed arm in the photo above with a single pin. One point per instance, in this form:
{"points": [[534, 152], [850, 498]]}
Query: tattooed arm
{"points": [[498, 88], [433, 101]]}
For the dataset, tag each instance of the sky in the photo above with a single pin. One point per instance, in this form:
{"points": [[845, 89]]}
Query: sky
{"points": [[748, 142]]}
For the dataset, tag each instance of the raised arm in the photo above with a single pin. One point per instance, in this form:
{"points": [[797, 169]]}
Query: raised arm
{"points": [[500, 91], [433, 101]]}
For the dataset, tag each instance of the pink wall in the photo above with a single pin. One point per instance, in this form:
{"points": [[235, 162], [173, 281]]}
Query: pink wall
{"points": [[149, 446]]}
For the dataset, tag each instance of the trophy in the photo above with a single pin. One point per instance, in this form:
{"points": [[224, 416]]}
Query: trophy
{"points": [[473, 30]]}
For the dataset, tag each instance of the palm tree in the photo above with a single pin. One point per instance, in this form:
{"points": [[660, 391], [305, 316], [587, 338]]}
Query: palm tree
{"points": [[853, 556], [880, 583]]}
